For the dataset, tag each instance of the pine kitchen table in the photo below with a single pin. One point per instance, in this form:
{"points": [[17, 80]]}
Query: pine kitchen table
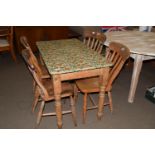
{"points": [[70, 59]]}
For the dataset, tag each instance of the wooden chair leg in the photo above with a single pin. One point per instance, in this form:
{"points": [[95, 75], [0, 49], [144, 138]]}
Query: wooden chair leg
{"points": [[75, 93], [36, 99], [92, 100], [40, 112], [110, 101], [84, 107], [73, 109]]}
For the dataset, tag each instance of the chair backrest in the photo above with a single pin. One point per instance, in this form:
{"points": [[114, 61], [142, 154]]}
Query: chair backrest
{"points": [[6, 30], [116, 53], [36, 75], [94, 40], [6, 33], [26, 45]]}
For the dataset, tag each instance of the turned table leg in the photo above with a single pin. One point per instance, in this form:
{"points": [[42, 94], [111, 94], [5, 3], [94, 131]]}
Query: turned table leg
{"points": [[57, 95], [103, 81]]}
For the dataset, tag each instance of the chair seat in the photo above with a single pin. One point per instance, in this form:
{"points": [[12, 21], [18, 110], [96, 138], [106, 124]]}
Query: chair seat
{"points": [[3, 43], [67, 88], [88, 85]]}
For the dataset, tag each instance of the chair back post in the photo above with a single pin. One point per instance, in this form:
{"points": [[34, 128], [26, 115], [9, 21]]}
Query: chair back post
{"points": [[88, 38], [26, 45], [34, 71], [24, 42], [42, 90], [117, 53]]}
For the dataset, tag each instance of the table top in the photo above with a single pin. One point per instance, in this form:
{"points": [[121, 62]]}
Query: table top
{"points": [[69, 55], [138, 42]]}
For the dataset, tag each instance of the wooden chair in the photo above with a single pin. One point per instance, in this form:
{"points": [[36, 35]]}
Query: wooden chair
{"points": [[41, 68], [117, 54], [44, 90], [94, 40], [6, 41]]}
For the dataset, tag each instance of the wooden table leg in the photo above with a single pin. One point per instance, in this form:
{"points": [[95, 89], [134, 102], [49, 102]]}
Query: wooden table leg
{"points": [[57, 95], [103, 81], [138, 61]]}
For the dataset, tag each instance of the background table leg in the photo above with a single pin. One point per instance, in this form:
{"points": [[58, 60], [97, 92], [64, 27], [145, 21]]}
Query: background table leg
{"points": [[135, 76]]}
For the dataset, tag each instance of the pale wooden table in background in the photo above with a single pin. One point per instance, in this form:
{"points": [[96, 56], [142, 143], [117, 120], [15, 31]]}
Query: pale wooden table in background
{"points": [[142, 47]]}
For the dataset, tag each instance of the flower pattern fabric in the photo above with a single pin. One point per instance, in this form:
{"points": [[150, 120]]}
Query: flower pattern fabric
{"points": [[69, 55]]}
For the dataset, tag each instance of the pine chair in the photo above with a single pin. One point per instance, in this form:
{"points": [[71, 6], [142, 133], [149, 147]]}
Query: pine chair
{"points": [[94, 40], [6, 41], [117, 54], [44, 90], [41, 68]]}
